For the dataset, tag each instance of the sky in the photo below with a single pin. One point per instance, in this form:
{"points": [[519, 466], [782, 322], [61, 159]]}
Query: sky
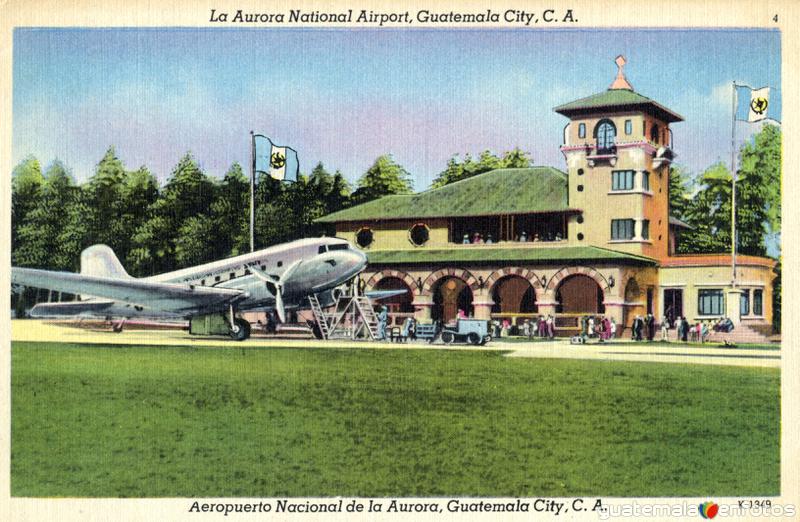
{"points": [[346, 96]]}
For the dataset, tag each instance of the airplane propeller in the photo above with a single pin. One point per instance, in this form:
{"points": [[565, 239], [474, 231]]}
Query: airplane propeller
{"points": [[278, 284]]}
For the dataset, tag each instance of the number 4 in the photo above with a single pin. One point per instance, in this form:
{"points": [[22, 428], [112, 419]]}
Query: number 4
{"points": [[775, 18]]}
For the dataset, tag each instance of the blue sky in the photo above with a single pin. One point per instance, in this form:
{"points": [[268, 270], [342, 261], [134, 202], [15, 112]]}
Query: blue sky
{"points": [[346, 96]]}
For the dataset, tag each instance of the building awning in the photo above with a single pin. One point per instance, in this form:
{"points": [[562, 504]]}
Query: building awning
{"points": [[493, 255]]}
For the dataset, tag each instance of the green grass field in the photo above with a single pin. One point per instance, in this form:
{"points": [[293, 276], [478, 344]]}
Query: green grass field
{"points": [[126, 421]]}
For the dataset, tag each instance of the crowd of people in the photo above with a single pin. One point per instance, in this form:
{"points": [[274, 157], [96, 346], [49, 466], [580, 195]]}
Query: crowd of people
{"points": [[591, 327], [477, 238]]}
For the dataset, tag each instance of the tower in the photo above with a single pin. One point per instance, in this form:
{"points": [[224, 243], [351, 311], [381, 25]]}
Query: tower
{"points": [[618, 148]]}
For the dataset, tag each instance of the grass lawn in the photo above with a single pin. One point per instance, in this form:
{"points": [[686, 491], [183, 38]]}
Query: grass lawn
{"points": [[128, 421]]}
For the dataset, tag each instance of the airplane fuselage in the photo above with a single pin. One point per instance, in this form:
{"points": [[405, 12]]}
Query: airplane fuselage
{"points": [[322, 264]]}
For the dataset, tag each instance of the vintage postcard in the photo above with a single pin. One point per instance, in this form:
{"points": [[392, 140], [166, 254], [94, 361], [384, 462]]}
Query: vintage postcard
{"points": [[335, 261]]}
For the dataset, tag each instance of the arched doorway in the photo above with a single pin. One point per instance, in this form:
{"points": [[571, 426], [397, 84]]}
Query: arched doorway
{"points": [[451, 294], [399, 306], [578, 294], [513, 295]]}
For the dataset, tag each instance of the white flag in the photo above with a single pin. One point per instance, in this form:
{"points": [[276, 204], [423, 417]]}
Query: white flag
{"points": [[759, 103]]}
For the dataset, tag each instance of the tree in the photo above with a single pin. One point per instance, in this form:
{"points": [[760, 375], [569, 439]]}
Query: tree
{"points": [[52, 217], [27, 182], [384, 177], [105, 217], [679, 198], [188, 193], [758, 190], [457, 170], [230, 214], [757, 200], [709, 213]]}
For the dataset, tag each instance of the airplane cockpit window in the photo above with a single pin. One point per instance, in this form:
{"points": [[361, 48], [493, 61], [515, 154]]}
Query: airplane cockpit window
{"points": [[322, 249], [339, 246]]}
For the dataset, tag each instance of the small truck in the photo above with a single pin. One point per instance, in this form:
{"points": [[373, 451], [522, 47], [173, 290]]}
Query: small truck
{"points": [[472, 331]]}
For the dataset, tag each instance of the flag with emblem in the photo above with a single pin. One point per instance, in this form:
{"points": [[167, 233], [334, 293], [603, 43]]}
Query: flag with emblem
{"points": [[279, 162], [753, 103]]}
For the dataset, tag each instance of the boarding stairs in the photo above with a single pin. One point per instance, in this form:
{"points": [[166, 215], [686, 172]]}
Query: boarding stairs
{"points": [[349, 317]]}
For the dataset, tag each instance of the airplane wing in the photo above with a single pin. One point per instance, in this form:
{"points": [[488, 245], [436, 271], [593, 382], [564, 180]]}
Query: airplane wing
{"points": [[167, 297], [377, 295]]}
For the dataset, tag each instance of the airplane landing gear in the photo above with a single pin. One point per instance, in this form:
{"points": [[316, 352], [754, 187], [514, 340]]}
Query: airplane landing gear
{"points": [[240, 330]]}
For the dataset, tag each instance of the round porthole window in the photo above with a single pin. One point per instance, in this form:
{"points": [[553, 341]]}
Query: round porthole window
{"points": [[580, 172], [364, 237], [580, 236], [419, 234], [580, 188], [580, 220]]}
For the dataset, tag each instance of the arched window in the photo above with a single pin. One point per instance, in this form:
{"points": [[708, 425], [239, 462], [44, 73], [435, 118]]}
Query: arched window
{"points": [[605, 132]]}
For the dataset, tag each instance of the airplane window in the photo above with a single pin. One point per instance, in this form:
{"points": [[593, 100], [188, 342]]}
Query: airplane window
{"points": [[232, 275], [217, 278], [322, 249], [342, 246], [203, 282], [247, 271], [280, 263], [263, 267]]}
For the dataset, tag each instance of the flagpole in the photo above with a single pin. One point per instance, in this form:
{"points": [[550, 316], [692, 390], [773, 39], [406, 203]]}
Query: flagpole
{"points": [[733, 185], [252, 191]]}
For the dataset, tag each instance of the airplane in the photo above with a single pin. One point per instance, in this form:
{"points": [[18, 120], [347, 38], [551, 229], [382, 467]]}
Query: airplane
{"points": [[277, 278]]}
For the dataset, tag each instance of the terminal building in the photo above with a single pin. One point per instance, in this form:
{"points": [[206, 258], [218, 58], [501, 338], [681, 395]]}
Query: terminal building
{"points": [[595, 238]]}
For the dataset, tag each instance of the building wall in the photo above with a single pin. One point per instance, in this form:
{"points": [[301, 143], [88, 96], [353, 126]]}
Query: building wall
{"points": [[691, 279], [394, 235]]}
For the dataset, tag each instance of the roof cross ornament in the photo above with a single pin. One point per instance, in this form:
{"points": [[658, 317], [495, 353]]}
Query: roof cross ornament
{"points": [[620, 82]]}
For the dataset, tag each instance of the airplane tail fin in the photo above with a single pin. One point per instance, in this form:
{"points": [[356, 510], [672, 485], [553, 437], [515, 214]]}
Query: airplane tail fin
{"points": [[100, 260]]}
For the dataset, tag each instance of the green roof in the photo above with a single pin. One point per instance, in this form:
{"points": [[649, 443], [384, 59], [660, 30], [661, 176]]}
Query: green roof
{"points": [[617, 98], [484, 254], [502, 191]]}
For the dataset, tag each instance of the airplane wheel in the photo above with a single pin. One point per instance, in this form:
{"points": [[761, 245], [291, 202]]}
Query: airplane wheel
{"points": [[242, 330], [117, 328], [474, 338], [448, 337]]}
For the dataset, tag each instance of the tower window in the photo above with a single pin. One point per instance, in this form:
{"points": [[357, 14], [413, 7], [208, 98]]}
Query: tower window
{"points": [[580, 236], [645, 180], [622, 179], [580, 172], [628, 127], [581, 130], [605, 132], [645, 229], [580, 188], [579, 220], [622, 228]]}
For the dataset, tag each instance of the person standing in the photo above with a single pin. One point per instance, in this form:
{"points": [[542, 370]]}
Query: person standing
{"points": [[651, 326], [612, 329], [684, 329], [383, 319], [664, 330], [551, 327]]}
